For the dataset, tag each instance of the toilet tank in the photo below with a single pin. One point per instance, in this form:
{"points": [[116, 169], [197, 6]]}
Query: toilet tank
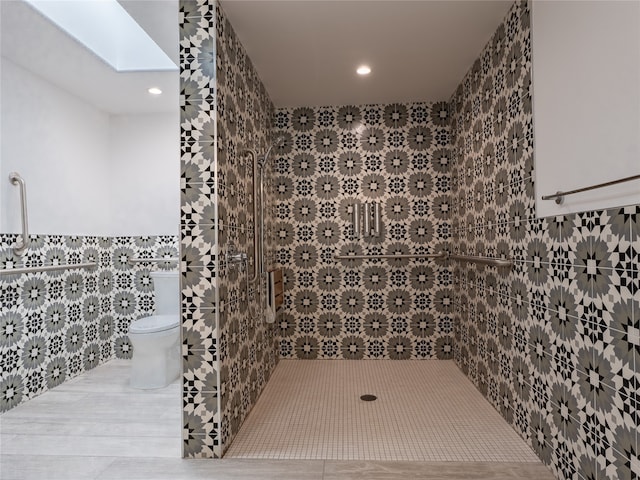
{"points": [[167, 292]]}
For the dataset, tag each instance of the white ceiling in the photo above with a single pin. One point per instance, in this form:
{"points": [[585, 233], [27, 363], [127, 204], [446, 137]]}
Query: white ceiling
{"points": [[33, 42], [306, 52]]}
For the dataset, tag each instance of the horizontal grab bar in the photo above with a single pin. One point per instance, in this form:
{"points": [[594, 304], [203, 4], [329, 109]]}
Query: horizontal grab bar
{"points": [[47, 268], [153, 260], [393, 256], [495, 262], [560, 195]]}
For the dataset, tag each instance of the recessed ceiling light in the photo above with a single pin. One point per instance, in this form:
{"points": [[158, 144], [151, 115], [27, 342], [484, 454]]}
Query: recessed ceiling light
{"points": [[154, 91], [105, 28], [363, 70]]}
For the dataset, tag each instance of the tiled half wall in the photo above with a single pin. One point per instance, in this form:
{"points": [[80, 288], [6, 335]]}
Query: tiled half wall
{"points": [[56, 325]]}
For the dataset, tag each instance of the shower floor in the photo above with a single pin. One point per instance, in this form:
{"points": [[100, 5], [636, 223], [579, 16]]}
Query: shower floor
{"points": [[425, 411]]}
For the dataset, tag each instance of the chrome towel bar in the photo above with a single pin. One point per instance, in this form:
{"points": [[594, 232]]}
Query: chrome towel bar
{"points": [[559, 196], [21, 245], [47, 268]]}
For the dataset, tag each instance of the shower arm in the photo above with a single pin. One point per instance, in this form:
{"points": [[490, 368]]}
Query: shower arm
{"points": [[256, 247]]}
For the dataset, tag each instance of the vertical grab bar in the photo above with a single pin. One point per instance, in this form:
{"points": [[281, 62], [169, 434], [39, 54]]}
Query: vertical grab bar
{"points": [[21, 245], [376, 219], [262, 218], [256, 252], [366, 224], [356, 220]]}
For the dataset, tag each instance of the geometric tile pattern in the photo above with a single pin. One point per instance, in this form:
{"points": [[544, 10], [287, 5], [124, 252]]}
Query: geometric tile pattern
{"points": [[228, 350], [334, 157], [553, 343], [247, 344], [56, 325], [198, 235], [312, 410]]}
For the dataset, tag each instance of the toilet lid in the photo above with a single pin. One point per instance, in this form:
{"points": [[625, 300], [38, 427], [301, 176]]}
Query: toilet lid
{"points": [[154, 323]]}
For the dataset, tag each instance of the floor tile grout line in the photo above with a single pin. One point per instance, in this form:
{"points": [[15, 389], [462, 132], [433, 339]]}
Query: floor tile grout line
{"points": [[359, 431]]}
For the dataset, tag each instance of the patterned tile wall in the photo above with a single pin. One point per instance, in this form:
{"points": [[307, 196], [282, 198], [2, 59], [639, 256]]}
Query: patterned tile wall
{"points": [[553, 343], [248, 347], [228, 350], [333, 157], [198, 235], [56, 325]]}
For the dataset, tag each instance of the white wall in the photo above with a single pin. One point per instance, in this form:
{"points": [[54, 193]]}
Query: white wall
{"points": [[586, 81], [87, 173], [145, 174], [59, 145]]}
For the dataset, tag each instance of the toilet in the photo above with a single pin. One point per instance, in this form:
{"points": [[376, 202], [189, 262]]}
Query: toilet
{"points": [[156, 339]]}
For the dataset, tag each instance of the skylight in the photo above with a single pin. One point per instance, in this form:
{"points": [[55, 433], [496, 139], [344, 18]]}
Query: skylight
{"points": [[105, 28]]}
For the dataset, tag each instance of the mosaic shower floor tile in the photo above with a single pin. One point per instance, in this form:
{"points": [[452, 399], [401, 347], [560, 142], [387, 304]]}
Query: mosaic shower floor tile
{"points": [[424, 411]]}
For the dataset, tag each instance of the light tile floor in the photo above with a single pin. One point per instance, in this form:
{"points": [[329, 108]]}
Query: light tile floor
{"points": [[96, 427], [425, 411], [97, 414]]}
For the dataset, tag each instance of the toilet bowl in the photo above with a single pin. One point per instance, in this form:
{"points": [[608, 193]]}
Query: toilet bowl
{"points": [[156, 339]]}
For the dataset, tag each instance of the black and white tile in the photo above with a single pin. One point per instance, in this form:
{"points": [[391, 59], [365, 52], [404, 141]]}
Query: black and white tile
{"points": [[228, 350], [247, 344], [333, 157], [552, 343], [565, 371], [56, 325]]}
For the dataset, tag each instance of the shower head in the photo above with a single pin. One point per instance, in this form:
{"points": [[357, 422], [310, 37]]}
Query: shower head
{"points": [[278, 142]]}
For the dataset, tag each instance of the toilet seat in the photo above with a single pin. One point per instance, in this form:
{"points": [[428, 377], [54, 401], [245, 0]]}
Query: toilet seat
{"points": [[154, 324]]}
